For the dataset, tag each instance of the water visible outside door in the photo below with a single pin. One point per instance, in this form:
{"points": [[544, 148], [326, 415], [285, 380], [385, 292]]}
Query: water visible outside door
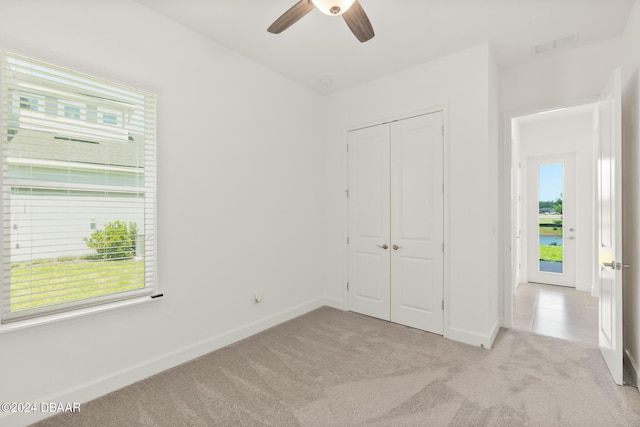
{"points": [[551, 220], [550, 230]]}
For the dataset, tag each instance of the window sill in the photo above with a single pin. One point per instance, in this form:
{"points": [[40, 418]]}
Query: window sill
{"points": [[53, 318]]}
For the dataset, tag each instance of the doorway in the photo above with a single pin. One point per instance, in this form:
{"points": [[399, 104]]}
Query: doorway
{"points": [[601, 159], [553, 205]]}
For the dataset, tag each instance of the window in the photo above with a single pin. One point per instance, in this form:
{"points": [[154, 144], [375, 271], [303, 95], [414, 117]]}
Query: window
{"points": [[72, 112], [79, 193], [110, 119]]}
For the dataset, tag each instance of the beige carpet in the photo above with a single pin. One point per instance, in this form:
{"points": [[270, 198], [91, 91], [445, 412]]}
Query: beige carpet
{"points": [[334, 368]]}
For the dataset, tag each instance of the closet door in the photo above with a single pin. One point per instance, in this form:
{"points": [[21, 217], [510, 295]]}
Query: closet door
{"points": [[417, 222], [369, 222], [396, 222]]}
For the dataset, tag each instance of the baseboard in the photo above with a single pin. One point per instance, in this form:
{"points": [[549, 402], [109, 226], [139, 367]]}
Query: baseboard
{"points": [[634, 370], [101, 386], [505, 322], [454, 334], [495, 330], [584, 287], [474, 338], [336, 303]]}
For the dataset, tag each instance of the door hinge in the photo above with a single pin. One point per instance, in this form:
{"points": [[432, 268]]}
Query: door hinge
{"points": [[347, 240], [347, 286], [347, 148], [442, 246], [442, 305], [442, 188], [347, 191]]}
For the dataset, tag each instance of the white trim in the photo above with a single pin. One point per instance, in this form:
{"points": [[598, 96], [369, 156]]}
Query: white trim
{"points": [[117, 380], [72, 314], [632, 365], [507, 243], [495, 330], [388, 119], [446, 294], [345, 218], [474, 338]]}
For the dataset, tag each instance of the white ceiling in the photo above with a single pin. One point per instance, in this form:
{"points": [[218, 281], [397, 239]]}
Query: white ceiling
{"points": [[408, 32]]}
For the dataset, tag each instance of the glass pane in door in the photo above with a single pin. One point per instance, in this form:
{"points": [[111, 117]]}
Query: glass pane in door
{"points": [[550, 190]]}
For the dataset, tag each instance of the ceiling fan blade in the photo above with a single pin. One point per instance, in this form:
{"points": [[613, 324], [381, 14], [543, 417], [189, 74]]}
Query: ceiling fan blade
{"points": [[358, 22], [291, 16]]}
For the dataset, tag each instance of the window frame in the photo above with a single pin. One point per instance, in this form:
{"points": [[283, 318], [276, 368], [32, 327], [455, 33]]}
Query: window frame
{"points": [[51, 105]]}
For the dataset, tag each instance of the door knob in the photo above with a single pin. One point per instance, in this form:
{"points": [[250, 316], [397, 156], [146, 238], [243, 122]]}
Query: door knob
{"points": [[384, 246], [396, 247]]}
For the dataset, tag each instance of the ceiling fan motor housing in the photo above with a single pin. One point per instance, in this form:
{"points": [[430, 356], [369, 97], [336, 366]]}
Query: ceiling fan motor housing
{"points": [[333, 7]]}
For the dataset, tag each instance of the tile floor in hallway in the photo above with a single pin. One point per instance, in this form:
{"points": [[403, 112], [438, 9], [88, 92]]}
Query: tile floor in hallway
{"points": [[556, 311]]}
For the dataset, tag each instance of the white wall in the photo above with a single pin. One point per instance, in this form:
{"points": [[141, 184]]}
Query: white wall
{"points": [[560, 79], [240, 171], [557, 133], [631, 186], [459, 83]]}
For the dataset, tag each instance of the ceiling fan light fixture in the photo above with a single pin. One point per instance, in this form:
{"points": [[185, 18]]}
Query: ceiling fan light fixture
{"points": [[333, 7], [351, 10]]}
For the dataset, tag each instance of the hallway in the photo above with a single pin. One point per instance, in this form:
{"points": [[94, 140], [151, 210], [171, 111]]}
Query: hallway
{"points": [[556, 311]]}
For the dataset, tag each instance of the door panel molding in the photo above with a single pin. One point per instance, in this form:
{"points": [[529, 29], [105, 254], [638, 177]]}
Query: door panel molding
{"points": [[369, 222], [417, 228]]}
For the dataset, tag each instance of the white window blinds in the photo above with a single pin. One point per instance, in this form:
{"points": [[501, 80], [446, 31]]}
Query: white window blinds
{"points": [[78, 189]]}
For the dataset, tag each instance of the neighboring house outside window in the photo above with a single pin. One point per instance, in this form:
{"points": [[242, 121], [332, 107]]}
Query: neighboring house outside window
{"points": [[79, 190]]}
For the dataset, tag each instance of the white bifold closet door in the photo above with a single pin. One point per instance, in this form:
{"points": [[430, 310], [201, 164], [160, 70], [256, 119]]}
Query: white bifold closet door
{"points": [[396, 222]]}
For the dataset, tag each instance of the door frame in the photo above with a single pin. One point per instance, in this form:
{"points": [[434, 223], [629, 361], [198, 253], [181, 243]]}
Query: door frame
{"points": [[446, 201], [508, 180]]}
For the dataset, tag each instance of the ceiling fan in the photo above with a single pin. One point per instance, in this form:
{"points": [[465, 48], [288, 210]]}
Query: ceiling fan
{"points": [[351, 11]]}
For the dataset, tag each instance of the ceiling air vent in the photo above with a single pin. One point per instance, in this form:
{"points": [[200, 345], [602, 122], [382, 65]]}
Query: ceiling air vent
{"points": [[556, 44]]}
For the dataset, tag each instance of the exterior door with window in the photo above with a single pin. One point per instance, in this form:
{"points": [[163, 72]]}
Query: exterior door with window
{"points": [[551, 220]]}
